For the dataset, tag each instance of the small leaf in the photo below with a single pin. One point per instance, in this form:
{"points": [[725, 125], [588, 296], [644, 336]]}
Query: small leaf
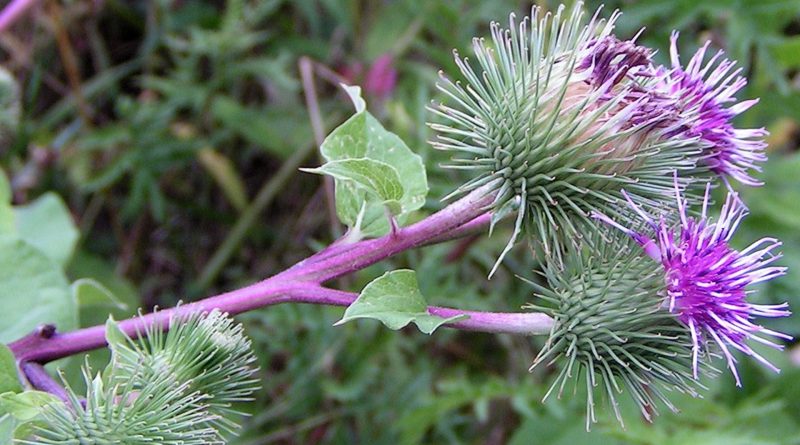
{"points": [[47, 224], [34, 291], [363, 137], [25, 406], [395, 300], [89, 292], [354, 92], [9, 379], [374, 177]]}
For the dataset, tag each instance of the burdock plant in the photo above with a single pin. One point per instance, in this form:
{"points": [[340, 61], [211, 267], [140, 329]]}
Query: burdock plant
{"points": [[557, 114], [596, 154]]}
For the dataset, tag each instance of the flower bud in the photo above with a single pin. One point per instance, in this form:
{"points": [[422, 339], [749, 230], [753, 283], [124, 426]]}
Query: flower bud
{"points": [[706, 280], [612, 330], [555, 109]]}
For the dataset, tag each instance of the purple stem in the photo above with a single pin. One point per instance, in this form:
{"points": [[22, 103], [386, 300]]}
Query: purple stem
{"points": [[44, 349], [527, 323], [301, 284], [14, 11], [39, 379], [342, 258]]}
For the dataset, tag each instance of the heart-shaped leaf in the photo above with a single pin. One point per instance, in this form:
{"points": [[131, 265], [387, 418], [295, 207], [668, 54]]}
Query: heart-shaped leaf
{"points": [[395, 300], [374, 177], [363, 138]]}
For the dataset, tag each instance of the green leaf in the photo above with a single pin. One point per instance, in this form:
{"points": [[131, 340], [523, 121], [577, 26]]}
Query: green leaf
{"points": [[395, 300], [374, 177], [258, 126], [25, 406], [47, 224], [6, 212], [5, 188], [89, 292], [354, 92], [34, 291], [7, 425], [225, 175], [363, 137], [787, 52], [98, 269], [9, 379]]}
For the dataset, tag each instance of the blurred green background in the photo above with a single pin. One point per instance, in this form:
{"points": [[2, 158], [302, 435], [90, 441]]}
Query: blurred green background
{"points": [[173, 130]]}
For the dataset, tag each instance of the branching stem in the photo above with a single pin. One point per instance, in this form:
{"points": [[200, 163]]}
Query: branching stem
{"points": [[302, 283]]}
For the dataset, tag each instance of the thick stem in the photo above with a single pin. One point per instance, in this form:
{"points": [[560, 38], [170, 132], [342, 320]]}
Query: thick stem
{"points": [[42, 349], [526, 323], [13, 11], [39, 379], [343, 258], [300, 284]]}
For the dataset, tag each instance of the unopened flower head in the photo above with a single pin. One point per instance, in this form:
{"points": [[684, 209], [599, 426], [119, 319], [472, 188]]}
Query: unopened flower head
{"points": [[701, 95], [206, 349], [553, 112], [611, 326], [706, 279]]}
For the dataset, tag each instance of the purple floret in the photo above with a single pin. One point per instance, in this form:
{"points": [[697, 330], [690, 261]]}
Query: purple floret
{"points": [[624, 69], [701, 96], [612, 59], [706, 280]]}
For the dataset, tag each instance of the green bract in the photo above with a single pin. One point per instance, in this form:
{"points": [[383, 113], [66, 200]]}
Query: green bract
{"points": [[144, 409], [176, 387], [612, 329], [530, 113], [208, 351]]}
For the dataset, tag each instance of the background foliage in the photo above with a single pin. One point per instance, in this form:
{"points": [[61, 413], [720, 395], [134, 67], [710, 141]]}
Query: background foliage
{"points": [[152, 152]]}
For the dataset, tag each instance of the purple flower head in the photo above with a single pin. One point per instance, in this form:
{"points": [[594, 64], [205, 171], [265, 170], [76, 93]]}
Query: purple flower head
{"points": [[706, 279], [382, 77], [622, 69], [700, 94], [611, 59]]}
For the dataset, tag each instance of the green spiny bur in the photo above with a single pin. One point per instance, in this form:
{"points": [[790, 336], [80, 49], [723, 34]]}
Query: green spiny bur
{"points": [[142, 408], [177, 387], [558, 147], [210, 352], [613, 331]]}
